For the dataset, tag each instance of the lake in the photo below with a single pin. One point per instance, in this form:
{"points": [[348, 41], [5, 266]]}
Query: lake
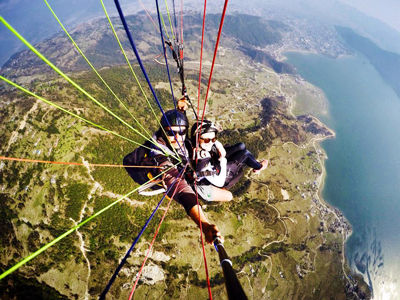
{"points": [[363, 166]]}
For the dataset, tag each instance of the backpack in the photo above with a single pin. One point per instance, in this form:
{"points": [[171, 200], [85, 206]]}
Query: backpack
{"points": [[140, 157]]}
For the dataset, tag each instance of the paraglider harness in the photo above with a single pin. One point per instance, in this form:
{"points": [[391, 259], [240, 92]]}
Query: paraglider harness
{"points": [[143, 156]]}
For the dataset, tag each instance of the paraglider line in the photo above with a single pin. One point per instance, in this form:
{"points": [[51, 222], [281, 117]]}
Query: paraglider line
{"points": [[66, 77], [200, 68], [165, 55], [94, 69], [169, 19], [69, 112], [154, 238], [121, 264], [166, 64], [148, 14], [74, 163], [128, 33], [56, 240], [213, 61], [134, 74], [175, 23]]}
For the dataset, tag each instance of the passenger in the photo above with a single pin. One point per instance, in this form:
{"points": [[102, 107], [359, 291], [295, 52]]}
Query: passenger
{"points": [[218, 168], [209, 159]]}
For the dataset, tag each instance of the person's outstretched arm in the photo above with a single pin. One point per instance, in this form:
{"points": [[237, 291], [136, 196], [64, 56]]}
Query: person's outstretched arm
{"points": [[211, 231]]}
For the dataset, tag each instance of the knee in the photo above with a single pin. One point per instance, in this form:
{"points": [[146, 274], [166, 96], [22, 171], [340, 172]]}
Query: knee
{"points": [[223, 195], [229, 196], [241, 146], [226, 196]]}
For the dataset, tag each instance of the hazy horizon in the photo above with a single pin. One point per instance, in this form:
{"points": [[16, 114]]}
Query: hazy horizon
{"points": [[34, 21], [388, 13]]}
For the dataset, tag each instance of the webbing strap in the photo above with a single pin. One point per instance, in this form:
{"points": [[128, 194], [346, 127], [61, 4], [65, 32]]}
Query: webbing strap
{"points": [[182, 25]]}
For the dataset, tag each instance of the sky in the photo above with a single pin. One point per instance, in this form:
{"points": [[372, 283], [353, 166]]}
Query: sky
{"points": [[388, 11]]}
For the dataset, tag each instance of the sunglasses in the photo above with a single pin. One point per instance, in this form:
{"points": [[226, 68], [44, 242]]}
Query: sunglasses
{"points": [[208, 140], [174, 133]]}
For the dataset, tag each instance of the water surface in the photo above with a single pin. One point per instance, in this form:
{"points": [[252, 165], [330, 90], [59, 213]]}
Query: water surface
{"points": [[363, 166]]}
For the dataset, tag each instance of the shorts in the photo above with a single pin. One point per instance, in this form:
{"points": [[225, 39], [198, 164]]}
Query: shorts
{"points": [[205, 192]]}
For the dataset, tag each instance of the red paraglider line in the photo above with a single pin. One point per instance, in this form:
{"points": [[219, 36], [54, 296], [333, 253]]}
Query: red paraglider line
{"points": [[154, 238], [148, 14], [198, 112], [213, 62], [201, 58]]}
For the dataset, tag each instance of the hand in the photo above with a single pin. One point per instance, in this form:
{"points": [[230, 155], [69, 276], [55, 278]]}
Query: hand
{"points": [[211, 232], [200, 153], [221, 149], [182, 105]]}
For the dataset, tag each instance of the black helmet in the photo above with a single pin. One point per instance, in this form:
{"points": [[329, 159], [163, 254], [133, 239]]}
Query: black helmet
{"points": [[174, 118], [205, 127]]}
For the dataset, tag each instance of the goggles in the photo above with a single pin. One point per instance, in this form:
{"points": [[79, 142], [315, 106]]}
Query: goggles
{"points": [[209, 140], [171, 132]]}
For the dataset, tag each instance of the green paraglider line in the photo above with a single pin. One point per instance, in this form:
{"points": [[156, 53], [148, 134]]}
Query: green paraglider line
{"points": [[134, 74], [56, 240], [94, 69], [165, 27], [62, 74], [169, 19], [68, 112]]}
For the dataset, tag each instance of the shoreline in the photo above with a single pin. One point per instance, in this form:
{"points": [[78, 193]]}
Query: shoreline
{"points": [[347, 228], [284, 58]]}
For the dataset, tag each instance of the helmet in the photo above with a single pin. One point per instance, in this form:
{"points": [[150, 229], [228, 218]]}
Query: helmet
{"points": [[205, 127], [174, 118]]}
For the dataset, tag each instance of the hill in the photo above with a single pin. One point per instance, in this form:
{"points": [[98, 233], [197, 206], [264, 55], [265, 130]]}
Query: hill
{"points": [[285, 242]]}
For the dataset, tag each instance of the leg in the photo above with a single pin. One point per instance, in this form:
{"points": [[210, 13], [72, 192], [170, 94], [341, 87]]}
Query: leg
{"points": [[239, 157], [230, 150], [233, 176], [221, 195], [245, 157], [212, 193]]}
